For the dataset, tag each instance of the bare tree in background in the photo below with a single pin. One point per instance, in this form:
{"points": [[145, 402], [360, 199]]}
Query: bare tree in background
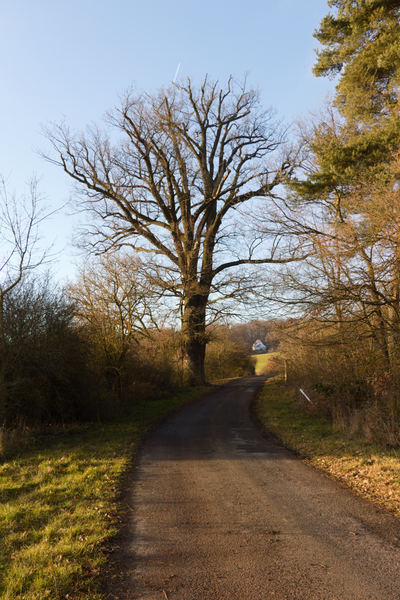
{"points": [[116, 306], [186, 159], [20, 253]]}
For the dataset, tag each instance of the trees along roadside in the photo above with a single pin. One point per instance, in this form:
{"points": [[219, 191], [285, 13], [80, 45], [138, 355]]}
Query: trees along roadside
{"points": [[349, 186], [117, 308], [187, 159], [351, 221], [20, 219], [360, 42], [346, 204], [43, 373]]}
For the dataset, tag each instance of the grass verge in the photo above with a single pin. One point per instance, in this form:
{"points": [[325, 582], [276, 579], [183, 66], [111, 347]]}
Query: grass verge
{"points": [[58, 504], [366, 468]]}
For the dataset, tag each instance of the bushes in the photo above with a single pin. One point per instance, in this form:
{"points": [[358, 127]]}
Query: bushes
{"points": [[345, 377], [226, 356], [58, 366], [53, 369], [45, 368], [153, 368]]}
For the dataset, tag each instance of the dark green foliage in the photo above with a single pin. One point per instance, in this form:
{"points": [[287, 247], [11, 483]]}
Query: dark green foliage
{"points": [[53, 369], [46, 375], [361, 42]]}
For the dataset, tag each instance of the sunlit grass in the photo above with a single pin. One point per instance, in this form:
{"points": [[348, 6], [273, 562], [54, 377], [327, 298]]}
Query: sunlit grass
{"points": [[368, 469], [58, 505], [262, 361]]}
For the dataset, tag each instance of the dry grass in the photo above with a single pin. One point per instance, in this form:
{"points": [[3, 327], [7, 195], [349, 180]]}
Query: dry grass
{"points": [[361, 465], [12, 441]]}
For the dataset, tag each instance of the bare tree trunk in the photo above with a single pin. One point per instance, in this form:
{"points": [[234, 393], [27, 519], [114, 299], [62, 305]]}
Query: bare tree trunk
{"points": [[194, 335]]}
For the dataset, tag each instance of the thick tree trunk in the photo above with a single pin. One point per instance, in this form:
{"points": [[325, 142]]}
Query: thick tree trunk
{"points": [[194, 335], [195, 351]]}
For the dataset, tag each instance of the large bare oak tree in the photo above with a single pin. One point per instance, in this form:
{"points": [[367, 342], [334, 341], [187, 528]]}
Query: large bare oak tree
{"points": [[169, 182]]}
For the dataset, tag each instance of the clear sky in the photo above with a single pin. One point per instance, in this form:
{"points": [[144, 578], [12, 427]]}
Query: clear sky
{"points": [[72, 59]]}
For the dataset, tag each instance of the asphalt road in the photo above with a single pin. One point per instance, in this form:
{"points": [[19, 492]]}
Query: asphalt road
{"points": [[221, 512]]}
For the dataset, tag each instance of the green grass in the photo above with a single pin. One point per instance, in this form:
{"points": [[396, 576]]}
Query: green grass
{"points": [[262, 361], [371, 471], [58, 504]]}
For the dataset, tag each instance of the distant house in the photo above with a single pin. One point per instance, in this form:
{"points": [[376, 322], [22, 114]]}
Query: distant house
{"points": [[258, 346]]}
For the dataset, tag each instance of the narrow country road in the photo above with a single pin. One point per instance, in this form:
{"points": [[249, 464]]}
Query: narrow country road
{"points": [[222, 513]]}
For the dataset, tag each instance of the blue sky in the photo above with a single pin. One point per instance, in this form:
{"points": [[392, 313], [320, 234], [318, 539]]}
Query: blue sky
{"points": [[72, 59]]}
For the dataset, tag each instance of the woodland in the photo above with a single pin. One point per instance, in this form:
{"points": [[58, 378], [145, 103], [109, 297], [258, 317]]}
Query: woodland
{"points": [[209, 225]]}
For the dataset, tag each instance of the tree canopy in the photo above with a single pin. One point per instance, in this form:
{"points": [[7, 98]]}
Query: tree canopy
{"points": [[361, 42], [187, 159], [350, 181]]}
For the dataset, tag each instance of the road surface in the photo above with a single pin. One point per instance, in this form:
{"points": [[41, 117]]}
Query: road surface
{"points": [[221, 512]]}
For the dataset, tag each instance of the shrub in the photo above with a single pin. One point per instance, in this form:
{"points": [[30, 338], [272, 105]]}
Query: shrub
{"points": [[345, 377], [227, 357], [45, 368]]}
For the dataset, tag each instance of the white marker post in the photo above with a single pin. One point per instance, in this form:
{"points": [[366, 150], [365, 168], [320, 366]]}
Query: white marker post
{"points": [[305, 395]]}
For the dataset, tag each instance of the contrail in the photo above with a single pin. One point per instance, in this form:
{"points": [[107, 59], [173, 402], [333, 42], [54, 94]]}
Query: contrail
{"points": [[176, 74]]}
